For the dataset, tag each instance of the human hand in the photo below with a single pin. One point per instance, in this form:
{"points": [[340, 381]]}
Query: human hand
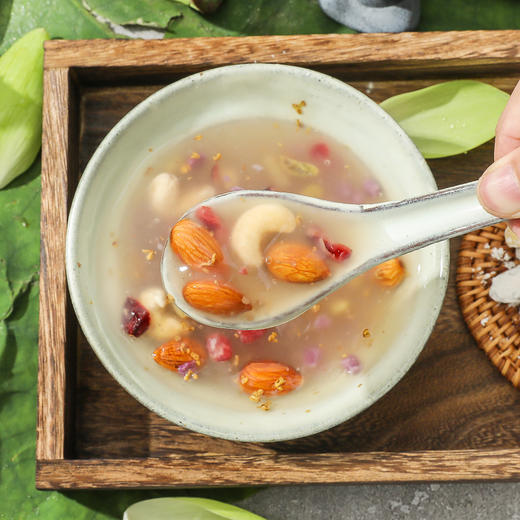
{"points": [[499, 186]]}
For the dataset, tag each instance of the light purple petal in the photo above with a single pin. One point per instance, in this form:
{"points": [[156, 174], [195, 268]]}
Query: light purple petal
{"points": [[322, 321], [312, 356], [351, 364], [372, 188], [345, 190], [186, 367]]}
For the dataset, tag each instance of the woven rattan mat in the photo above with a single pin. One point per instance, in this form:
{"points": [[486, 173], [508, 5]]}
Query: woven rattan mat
{"points": [[495, 326]]}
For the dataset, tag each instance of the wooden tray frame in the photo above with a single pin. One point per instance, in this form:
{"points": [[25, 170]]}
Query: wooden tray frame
{"points": [[70, 64]]}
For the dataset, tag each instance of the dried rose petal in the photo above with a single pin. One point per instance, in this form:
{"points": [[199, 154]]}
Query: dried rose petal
{"points": [[312, 356], [208, 217], [218, 347], [136, 318], [372, 188], [186, 367], [249, 336], [320, 151], [322, 322], [340, 252], [351, 364]]}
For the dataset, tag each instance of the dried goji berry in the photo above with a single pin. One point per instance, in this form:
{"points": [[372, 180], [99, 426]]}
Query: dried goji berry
{"points": [[340, 252], [320, 151], [208, 217], [249, 336]]}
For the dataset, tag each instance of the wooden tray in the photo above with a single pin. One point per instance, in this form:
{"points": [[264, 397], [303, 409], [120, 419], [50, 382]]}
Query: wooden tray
{"points": [[452, 417]]}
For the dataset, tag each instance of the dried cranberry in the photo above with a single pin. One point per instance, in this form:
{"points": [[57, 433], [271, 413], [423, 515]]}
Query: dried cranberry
{"points": [[249, 336], [243, 270], [209, 218], [218, 347], [340, 252], [320, 151], [136, 318]]}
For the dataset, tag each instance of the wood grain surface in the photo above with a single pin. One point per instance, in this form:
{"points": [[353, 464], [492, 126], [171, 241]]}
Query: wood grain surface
{"points": [[452, 417], [210, 469], [407, 50], [59, 170]]}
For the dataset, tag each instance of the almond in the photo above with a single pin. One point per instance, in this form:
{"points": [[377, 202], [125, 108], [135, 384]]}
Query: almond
{"points": [[195, 245], [175, 353], [215, 297], [294, 262], [269, 377], [389, 273]]}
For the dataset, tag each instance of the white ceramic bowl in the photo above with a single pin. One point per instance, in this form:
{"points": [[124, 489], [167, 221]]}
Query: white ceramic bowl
{"points": [[185, 108]]}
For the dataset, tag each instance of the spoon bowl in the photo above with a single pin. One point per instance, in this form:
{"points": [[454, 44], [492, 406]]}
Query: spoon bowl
{"points": [[383, 231]]}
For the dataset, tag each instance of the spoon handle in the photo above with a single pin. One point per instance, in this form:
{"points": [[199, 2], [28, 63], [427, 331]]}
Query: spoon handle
{"points": [[419, 221]]}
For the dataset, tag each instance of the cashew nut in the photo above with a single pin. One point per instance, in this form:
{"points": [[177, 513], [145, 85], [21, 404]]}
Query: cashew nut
{"points": [[163, 192], [153, 298], [195, 196], [254, 224], [163, 325]]}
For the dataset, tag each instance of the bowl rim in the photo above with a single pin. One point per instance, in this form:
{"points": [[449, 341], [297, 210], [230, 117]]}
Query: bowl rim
{"points": [[94, 338]]}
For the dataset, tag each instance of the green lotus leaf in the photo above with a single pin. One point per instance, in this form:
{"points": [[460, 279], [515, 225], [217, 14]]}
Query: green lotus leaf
{"points": [[448, 118], [21, 90], [187, 508]]}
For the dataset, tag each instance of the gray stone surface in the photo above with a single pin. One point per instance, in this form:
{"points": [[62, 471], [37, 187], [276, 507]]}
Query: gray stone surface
{"points": [[460, 501], [374, 15]]}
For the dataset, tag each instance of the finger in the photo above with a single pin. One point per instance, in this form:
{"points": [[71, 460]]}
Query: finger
{"points": [[508, 126], [499, 187]]}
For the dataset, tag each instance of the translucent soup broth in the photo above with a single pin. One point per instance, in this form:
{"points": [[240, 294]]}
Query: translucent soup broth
{"points": [[343, 333]]}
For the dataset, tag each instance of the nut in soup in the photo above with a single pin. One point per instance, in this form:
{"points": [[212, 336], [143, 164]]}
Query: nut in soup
{"points": [[250, 257]]}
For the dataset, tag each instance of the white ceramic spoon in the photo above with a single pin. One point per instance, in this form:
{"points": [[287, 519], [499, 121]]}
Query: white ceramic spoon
{"points": [[389, 229]]}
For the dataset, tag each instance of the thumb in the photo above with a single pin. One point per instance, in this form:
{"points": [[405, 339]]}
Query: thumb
{"points": [[499, 187]]}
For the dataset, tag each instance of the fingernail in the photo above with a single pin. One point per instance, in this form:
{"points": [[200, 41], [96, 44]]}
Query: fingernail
{"points": [[499, 191]]}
